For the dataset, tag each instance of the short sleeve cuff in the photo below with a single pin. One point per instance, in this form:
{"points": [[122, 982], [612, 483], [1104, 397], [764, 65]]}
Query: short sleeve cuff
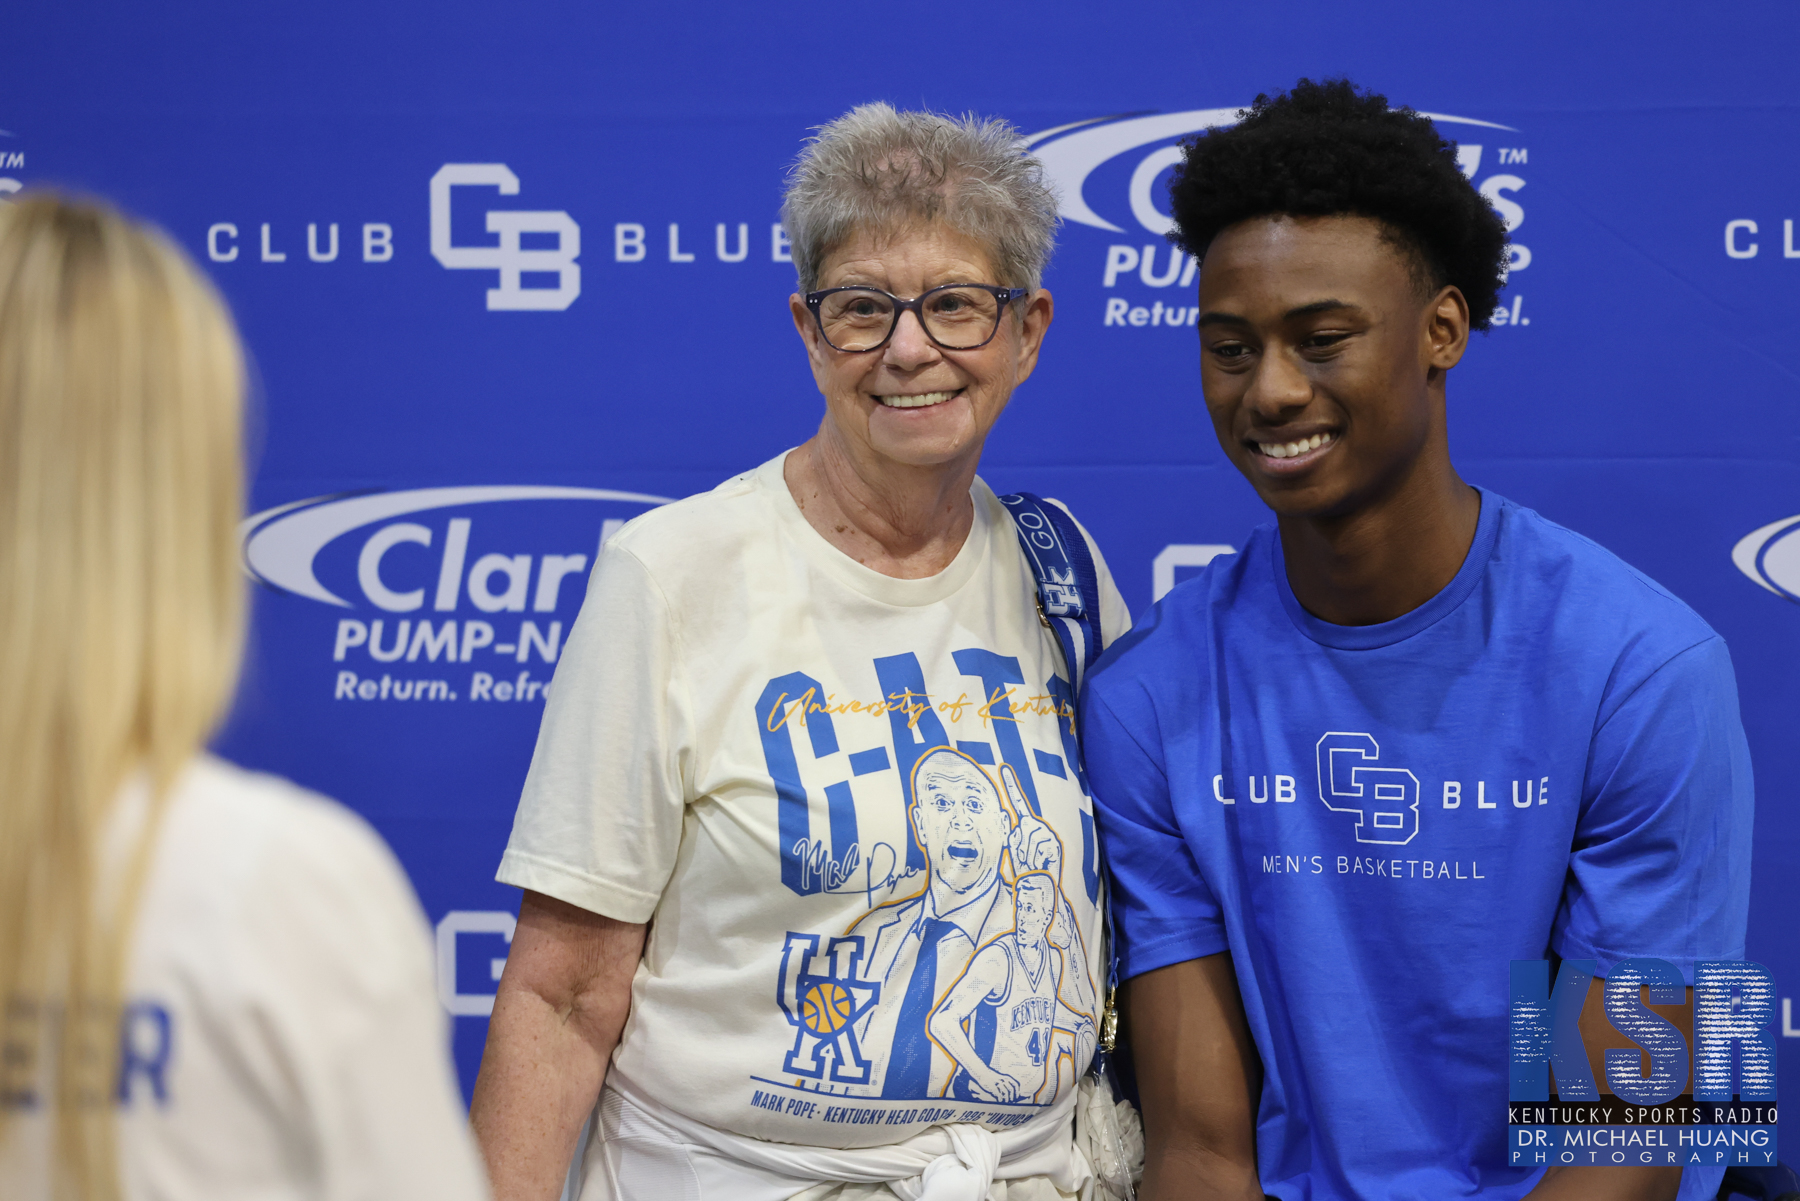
{"points": [[575, 887], [1571, 946], [1141, 954]]}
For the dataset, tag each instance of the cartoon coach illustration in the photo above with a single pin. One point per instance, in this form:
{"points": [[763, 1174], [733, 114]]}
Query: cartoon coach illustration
{"points": [[915, 949]]}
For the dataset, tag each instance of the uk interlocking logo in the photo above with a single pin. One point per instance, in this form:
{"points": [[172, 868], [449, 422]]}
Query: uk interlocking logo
{"points": [[1727, 1119], [1385, 800], [510, 257], [823, 999]]}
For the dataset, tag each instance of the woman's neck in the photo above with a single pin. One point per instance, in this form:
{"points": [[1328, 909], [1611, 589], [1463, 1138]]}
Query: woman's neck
{"points": [[904, 521]]}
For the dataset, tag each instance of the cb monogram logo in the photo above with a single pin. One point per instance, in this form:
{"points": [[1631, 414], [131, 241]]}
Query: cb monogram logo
{"points": [[1384, 799], [508, 258]]}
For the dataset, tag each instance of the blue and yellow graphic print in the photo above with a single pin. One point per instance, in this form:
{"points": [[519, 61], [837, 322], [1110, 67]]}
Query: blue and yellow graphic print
{"points": [[967, 975]]}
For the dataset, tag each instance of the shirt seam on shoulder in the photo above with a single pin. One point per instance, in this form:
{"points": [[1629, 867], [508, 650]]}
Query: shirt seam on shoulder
{"points": [[1643, 581], [1601, 724], [1098, 698], [678, 642], [1660, 668]]}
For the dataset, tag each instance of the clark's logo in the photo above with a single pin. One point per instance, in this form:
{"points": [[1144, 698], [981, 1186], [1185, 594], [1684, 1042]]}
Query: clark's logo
{"points": [[1072, 153], [282, 545], [1112, 175], [1644, 1117], [1771, 557], [402, 570]]}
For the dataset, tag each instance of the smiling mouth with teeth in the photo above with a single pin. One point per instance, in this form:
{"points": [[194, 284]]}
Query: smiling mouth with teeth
{"points": [[920, 401], [1287, 450]]}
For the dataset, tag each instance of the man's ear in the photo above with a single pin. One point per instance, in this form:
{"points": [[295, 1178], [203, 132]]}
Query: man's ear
{"points": [[1446, 328]]}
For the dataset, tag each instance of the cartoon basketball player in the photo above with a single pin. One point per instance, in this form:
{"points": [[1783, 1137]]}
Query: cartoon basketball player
{"points": [[999, 1020], [917, 946]]}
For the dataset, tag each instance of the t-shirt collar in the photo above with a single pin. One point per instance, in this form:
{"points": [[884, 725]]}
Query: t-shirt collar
{"points": [[1387, 633]]}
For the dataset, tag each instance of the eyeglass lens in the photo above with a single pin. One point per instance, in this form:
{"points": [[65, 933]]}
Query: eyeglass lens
{"points": [[957, 318]]}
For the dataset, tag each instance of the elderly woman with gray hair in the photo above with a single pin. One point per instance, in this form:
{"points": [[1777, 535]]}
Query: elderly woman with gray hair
{"points": [[811, 906]]}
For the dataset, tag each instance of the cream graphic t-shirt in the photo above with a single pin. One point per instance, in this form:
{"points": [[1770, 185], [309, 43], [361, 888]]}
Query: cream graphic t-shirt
{"points": [[282, 1035], [851, 810]]}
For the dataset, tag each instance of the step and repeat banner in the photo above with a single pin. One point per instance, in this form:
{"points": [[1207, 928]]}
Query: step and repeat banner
{"points": [[496, 311]]}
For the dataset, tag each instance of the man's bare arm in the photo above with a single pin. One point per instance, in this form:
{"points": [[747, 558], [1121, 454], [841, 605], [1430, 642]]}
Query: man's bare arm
{"points": [[1597, 1183], [560, 1008], [1199, 1078]]}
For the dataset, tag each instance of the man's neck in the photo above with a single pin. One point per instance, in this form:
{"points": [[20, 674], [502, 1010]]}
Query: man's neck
{"points": [[1388, 557], [1031, 955], [949, 905], [903, 521]]}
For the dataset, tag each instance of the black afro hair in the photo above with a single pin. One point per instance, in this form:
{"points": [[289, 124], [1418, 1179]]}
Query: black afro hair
{"points": [[1324, 149]]}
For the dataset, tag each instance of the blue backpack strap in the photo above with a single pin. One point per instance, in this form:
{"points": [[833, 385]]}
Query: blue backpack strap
{"points": [[1068, 593], [1068, 587]]}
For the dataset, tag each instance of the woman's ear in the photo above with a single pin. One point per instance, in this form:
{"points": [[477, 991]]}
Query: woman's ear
{"points": [[808, 329], [1040, 307]]}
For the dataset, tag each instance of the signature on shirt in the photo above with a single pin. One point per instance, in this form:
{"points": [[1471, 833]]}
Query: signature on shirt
{"points": [[879, 873]]}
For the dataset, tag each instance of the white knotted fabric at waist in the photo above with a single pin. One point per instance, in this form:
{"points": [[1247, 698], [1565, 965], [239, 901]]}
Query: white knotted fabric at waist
{"points": [[957, 1161]]}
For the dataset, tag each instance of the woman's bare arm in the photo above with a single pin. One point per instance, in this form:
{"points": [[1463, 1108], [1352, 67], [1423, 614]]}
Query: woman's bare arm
{"points": [[560, 1008]]}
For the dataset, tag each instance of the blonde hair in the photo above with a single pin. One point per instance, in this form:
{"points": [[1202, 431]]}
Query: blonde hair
{"points": [[875, 168], [121, 617]]}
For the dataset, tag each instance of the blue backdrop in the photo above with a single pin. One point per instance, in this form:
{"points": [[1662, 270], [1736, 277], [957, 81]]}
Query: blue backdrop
{"points": [[460, 239]]}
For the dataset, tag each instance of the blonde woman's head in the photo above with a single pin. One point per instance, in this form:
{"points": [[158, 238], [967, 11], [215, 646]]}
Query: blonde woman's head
{"points": [[121, 612]]}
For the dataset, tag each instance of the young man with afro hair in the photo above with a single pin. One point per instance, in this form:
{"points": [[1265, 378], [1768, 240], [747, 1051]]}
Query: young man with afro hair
{"points": [[1412, 732]]}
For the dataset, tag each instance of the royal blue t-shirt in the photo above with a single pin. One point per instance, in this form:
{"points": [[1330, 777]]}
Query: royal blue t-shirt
{"points": [[1375, 820]]}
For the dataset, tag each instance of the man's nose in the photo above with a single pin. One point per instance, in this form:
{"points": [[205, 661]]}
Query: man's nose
{"points": [[1279, 387]]}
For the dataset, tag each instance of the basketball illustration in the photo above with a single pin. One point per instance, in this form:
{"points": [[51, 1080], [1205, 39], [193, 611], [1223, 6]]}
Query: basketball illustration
{"points": [[825, 1008]]}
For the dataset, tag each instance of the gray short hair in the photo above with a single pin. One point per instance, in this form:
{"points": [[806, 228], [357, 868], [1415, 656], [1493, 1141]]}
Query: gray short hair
{"points": [[878, 169]]}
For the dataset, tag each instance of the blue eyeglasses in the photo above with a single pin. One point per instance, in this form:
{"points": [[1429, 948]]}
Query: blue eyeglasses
{"points": [[955, 316]]}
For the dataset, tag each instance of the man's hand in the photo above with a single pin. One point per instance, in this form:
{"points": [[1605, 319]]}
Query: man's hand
{"points": [[1199, 1077], [1034, 845], [998, 1085], [557, 1016]]}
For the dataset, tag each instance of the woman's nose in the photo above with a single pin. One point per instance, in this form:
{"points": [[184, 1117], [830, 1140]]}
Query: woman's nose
{"points": [[910, 348]]}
